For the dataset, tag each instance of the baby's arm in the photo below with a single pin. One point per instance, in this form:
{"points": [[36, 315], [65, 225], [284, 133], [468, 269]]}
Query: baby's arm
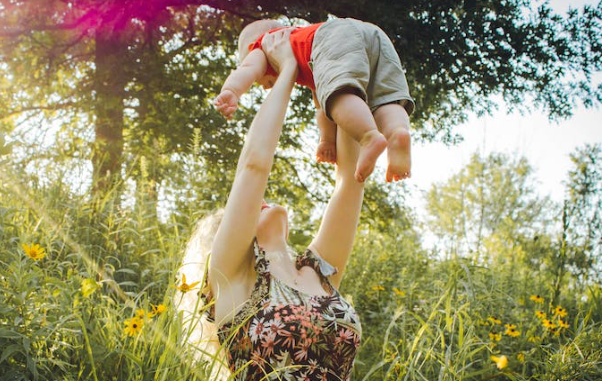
{"points": [[327, 151], [253, 67]]}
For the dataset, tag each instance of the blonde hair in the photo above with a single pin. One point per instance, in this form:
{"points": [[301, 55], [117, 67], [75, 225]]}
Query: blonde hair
{"points": [[251, 32], [199, 333]]}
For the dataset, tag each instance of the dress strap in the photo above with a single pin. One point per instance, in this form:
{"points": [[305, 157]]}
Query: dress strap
{"points": [[320, 265]]}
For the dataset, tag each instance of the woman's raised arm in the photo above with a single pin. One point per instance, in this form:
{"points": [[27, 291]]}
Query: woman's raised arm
{"points": [[231, 256], [334, 240]]}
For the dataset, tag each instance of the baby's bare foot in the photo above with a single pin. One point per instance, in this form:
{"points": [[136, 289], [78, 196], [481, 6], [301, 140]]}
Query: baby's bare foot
{"points": [[327, 152], [399, 155], [372, 145]]}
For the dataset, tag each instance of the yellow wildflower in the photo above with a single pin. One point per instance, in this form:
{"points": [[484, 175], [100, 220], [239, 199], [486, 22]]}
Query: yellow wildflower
{"points": [[500, 361], [495, 336], [559, 311], [512, 332], [398, 291], [562, 324], [158, 309], [493, 319], [536, 298], [142, 314], [555, 331], [89, 286], [185, 287], [378, 288], [540, 314], [133, 326], [548, 324], [520, 357], [34, 251], [510, 326]]}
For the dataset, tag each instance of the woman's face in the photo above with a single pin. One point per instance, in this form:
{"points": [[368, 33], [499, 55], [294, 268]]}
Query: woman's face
{"points": [[273, 220]]}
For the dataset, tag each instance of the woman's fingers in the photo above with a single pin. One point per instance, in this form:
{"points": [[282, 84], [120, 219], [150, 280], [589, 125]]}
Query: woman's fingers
{"points": [[277, 48]]}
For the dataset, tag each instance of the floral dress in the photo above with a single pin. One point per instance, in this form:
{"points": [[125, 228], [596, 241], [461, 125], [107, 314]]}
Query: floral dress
{"points": [[284, 334]]}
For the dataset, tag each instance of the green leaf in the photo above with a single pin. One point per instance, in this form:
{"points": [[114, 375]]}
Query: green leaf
{"points": [[8, 351]]}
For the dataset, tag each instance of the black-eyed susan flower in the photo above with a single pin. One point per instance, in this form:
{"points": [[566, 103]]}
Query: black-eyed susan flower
{"points": [[378, 288], [495, 336], [142, 314], [536, 298], [398, 291], [34, 251], [512, 332], [559, 311], [520, 357], [494, 320], [158, 309], [500, 361], [555, 331], [133, 326], [540, 314], [89, 286], [562, 324], [185, 287], [548, 324], [510, 326]]}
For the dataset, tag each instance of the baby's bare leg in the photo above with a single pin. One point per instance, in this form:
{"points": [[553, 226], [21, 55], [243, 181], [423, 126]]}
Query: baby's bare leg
{"points": [[353, 115], [327, 150], [393, 121]]}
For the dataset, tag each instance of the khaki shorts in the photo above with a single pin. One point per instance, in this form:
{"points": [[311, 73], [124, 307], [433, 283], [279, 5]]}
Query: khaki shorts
{"points": [[348, 53]]}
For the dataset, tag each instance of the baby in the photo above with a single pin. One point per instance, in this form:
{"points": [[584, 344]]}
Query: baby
{"points": [[356, 80]]}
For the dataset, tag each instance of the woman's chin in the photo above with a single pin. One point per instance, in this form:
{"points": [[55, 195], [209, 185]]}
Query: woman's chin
{"points": [[273, 221]]}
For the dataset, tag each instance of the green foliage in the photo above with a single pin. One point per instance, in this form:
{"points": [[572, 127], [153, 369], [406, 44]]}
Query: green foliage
{"points": [[63, 316], [423, 316], [583, 210], [143, 73], [490, 203], [426, 319]]}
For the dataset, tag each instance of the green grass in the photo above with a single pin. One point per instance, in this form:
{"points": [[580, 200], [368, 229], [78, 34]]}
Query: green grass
{"points": [[423, 318]]}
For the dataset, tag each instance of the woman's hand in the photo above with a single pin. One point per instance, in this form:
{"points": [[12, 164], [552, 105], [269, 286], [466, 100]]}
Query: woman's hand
{"points": [[277, 48]]}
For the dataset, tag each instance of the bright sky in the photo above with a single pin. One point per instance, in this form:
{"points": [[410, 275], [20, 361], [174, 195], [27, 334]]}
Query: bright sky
{"points": [[545, 144]]}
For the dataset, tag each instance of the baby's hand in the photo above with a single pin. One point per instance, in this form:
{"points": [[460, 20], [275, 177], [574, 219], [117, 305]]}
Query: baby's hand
{"points": [[226, 103]]}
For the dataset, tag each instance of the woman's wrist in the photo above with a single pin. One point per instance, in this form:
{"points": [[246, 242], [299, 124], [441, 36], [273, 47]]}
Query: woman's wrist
{"points": [[289, 69]]}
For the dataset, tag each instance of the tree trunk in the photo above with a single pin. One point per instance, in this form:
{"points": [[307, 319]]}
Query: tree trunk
{"points": [[109, 83]]}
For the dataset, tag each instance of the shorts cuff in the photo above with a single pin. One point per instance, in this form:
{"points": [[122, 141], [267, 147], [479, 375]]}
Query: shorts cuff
{"points": [[404, 100]]}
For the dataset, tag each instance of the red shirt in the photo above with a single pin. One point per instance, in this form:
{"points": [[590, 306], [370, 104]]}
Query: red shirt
{"points": [[301, 41]]}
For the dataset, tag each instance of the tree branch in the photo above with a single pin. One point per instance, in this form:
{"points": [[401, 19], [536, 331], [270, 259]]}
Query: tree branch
{"points": [[53, 107], [16, 32]]}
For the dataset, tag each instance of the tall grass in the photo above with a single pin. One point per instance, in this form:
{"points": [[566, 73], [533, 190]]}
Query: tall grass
{"points": [[63, 317]]}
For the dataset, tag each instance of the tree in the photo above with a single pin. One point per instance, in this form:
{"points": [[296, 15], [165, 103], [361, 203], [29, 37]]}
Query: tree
{"points": [[136, 79], [489, 206], [580, 246], [99, 59]]}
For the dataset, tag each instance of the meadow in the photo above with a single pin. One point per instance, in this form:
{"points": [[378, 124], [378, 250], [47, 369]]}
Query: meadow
{"points": [[88, 291]]}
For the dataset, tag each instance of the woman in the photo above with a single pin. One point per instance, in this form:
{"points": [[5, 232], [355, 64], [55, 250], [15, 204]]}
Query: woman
{"points": [[280, 316]]}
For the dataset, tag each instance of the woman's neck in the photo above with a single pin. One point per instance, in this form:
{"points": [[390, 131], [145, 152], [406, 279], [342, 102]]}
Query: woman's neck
{"points": [[274, 244]]}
